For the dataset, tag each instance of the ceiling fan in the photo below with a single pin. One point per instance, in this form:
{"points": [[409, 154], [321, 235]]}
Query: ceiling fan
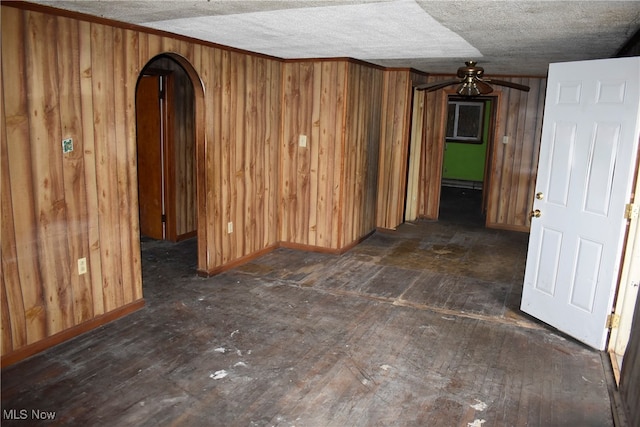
{"points": [[472, 82]]}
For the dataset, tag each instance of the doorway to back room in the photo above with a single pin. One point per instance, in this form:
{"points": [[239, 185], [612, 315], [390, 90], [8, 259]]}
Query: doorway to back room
{"points": [[465, 160], [165, 117]]}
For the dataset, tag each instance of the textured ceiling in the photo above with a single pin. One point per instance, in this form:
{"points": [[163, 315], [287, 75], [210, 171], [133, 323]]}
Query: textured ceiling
{"points": [[505, 37]]}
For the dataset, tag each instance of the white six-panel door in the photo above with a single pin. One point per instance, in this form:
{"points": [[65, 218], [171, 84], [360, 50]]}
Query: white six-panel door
{"points": [[585, 174]]}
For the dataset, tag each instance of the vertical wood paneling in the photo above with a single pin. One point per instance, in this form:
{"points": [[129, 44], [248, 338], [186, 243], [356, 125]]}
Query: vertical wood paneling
{"points": [[106, 158], [132, 291], [94, 259], [316, 179], [250, 151], [305, 223], [332, 137], [124, 111], [511, 155], [513, 167], [14, 328], [314, 105], [48, 190], [352, 152], [415, 154], [236, 179], [184, 154], [271, 89], [362, 144], [394, 144], [212, 77], [529, 155], [431, 172], [9, 268], [26, 303], [68, 68], [327, 189]]}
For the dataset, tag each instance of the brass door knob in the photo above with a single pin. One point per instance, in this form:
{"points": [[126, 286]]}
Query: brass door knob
{"points": [[535, 214], [539, 196]]}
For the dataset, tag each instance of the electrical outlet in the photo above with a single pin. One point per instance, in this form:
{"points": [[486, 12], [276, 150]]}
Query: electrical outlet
{"points": [[82, 266], [230, 227], [67, 145]]}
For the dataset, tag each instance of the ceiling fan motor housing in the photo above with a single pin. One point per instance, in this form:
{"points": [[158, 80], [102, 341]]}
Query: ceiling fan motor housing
{"points": [[470, 70]]}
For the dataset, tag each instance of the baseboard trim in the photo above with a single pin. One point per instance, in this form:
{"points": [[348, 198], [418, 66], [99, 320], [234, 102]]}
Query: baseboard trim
{"points": [[297, 246], [325, 250], [46, 343], [236, 262]]}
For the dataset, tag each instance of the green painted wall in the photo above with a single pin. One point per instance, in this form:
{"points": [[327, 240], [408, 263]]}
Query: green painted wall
{"points": [[464, 161]]}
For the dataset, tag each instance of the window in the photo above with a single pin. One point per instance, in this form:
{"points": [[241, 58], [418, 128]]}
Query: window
{"points": [[464, 121]]}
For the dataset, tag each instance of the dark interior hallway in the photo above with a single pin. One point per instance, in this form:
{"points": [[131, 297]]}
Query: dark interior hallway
{"points": [[415, 327], [461, 206]]}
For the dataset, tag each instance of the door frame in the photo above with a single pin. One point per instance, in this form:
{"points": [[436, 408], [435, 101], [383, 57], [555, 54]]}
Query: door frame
{"points": [[627, 290], [201, 148], [496, 99], [166, 149], [414, 156]]}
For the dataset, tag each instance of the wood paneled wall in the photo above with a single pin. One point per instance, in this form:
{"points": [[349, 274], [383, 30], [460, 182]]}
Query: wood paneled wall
{"points": [[360, 157], [397, 101], [513, 166], [432, 153], [58, 81], [313, 105], [64, 77], [327, 195], [241, 156], [184, 156]]}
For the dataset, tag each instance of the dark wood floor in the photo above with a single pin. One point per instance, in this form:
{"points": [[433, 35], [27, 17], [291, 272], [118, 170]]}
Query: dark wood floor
{"points": [[417, 327]]}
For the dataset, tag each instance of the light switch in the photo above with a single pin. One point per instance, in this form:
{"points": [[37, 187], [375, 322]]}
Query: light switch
{"points": [[82, 266], [302, 140]]}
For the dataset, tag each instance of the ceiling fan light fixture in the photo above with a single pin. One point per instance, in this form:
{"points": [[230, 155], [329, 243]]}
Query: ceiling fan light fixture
{"points": [[468, 88], [471, 82]]}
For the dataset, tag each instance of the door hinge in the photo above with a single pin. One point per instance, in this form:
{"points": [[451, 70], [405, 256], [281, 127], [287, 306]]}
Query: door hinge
{"points": [[613, 321], [631, 211], [164, 218]]}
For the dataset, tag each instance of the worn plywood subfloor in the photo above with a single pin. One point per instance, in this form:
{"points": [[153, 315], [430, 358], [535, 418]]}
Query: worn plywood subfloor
{"points": [[417, 327]]}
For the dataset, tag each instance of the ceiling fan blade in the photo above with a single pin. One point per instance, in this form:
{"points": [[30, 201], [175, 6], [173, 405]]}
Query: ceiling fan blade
{"points": [[508, 84], [429, 87], [483, 87]]}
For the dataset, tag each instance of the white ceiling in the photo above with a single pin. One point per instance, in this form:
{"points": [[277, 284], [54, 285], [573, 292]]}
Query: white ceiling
{"points": [[505, 37]]}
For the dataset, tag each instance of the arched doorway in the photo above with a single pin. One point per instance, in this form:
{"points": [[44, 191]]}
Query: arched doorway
{"points": [[170, 145]]}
